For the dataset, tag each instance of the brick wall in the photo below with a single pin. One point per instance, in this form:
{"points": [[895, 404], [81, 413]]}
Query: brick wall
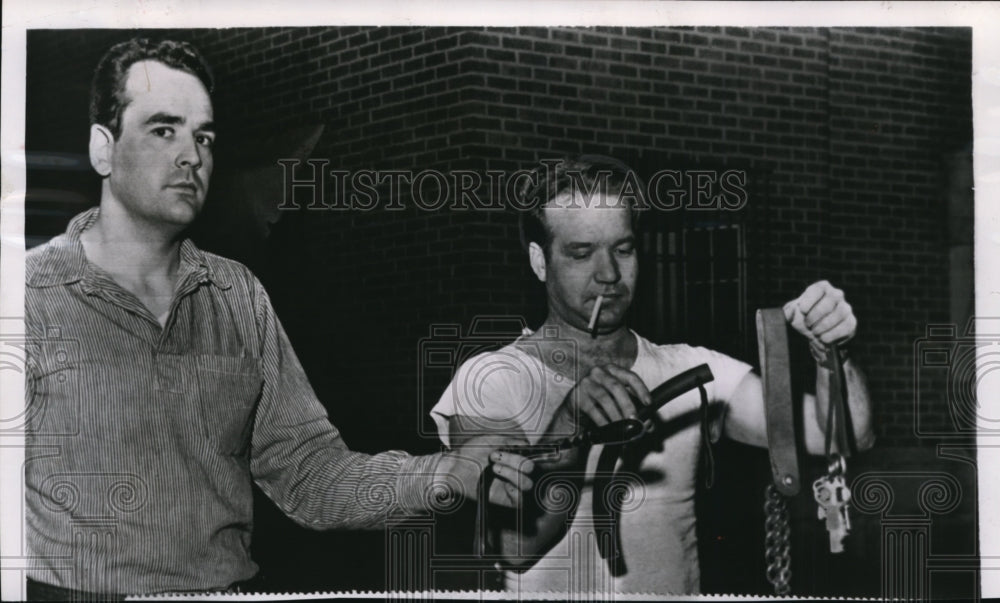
{"points": [[849, 127], [894, 114]]}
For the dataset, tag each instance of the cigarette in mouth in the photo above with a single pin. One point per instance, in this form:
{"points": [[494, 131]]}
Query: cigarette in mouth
{"points": [[592, 326]]}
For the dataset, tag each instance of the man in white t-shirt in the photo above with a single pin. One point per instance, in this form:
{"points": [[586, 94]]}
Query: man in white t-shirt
{"points": [[576, 370]]}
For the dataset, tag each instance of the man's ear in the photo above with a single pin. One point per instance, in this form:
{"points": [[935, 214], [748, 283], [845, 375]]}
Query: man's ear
{"points": [[537, 257], [102, 142]]}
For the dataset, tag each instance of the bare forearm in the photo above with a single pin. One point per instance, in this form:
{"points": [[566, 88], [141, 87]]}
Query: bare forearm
{"points": [[859, 407], [528, 536], [522, 550]]}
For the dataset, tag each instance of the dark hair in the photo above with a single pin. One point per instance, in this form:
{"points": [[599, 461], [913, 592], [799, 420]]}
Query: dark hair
{"points": [[568, 176], [107, 90]]}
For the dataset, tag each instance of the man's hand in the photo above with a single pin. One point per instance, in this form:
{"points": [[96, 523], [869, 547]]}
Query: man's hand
{"points": [[826, 319], [605, 395], [823, 315], [460, 469]]}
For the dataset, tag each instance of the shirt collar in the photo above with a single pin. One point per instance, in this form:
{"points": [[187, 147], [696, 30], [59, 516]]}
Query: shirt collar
{"points": [[62, 261]]}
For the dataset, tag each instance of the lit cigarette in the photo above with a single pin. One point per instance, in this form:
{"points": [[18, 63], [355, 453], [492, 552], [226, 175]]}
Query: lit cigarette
{"points": [[592, 326]]}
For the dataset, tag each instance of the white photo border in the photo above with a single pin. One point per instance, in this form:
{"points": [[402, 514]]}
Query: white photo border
{"points": [[19, 16]]}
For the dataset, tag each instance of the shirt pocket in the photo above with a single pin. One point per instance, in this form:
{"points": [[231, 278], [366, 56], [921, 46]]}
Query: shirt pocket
{"points": [[228, 390], [52, 399]]}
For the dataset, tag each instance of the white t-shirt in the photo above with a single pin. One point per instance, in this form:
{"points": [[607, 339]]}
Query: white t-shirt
{"points": [[657, 520]]}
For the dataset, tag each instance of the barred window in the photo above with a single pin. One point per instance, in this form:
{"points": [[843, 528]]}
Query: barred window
{"points": [[693, 280]]}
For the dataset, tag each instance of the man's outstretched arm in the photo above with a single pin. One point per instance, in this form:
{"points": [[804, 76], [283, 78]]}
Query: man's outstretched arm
{"points": [[302, 463], [823, 316]]}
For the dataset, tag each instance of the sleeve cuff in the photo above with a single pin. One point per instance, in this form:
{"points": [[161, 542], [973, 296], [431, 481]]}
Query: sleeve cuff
{"points": [[416, 486]]}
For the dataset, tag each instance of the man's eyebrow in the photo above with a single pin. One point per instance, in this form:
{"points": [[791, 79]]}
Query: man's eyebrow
{"points": [[164, 118], [176, 120], [582, 244]]}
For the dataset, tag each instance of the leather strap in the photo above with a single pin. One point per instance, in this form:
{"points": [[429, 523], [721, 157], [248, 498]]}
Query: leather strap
{"points": [[607, 509], [775, 368], [606, 502], [838, 420]]}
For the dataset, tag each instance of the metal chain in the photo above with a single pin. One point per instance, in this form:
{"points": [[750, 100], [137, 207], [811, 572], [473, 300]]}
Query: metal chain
{"points": [[776, 541]]}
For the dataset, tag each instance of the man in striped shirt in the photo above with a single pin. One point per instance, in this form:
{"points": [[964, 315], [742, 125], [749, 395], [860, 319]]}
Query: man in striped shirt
{"points": [[161, 384]]}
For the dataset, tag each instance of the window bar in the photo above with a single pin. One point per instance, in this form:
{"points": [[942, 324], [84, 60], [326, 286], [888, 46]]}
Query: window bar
{"points": [[674, 286], [712, 331]]}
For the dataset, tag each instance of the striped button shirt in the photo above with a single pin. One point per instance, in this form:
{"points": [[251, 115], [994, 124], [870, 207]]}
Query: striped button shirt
{"points": [[143, 440]]}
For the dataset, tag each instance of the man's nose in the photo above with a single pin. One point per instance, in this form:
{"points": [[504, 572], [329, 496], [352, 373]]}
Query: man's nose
{"points": [[189, 155], [607, 270]]}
